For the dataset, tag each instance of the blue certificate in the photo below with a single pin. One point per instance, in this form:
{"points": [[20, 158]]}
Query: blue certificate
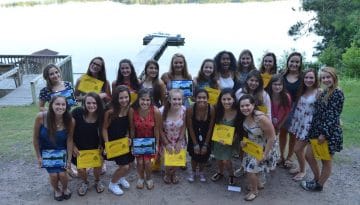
{"points": [[185, 85], [53, 158], [145, 145]]}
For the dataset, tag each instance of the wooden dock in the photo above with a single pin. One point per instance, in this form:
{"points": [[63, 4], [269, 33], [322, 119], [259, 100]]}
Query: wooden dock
{"points": [[22, 95], [153, 50]]}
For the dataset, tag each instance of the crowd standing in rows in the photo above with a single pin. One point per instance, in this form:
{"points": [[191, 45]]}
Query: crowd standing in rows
{"points": [[261, 106]]}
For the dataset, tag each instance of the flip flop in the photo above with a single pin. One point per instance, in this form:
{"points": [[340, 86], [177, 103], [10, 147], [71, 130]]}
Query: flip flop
{"points": [[99, 187], [299, 177], [251, 196]]}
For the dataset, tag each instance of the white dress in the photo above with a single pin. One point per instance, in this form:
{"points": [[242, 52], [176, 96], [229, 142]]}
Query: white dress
{"points": [[226, 82], [303, 114]]}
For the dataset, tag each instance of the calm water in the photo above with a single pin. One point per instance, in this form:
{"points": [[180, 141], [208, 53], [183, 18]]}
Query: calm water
{"points": [[115, 31]]}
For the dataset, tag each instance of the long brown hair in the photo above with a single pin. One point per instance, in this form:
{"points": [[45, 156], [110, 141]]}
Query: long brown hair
{"points": [[185, 73], [284, 95], [50, 118], [302, 88], [46, 74], [213, 77], [115, 105]]}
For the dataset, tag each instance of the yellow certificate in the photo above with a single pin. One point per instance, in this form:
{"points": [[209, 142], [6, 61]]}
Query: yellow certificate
{"points": [[89, 158], [213, 95], [266, 77], [133, 97], [117, 147], [253, 149], [175, 160], [90, 84], [223, 133], [262, 108], [321, 151]]}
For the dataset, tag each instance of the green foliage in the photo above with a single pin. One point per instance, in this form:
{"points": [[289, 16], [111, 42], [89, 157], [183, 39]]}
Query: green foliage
{"points": [[351, 60], [330, 55]]}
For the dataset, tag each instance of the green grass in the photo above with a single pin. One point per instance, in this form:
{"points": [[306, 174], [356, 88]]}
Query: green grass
{"points": [[16, 124]]}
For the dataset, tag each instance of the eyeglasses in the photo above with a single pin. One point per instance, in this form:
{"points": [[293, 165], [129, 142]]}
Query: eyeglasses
{"points": [[97, 64]]}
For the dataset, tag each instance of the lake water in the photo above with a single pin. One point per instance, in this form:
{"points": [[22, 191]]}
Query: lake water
{"points": [[115, 31]]}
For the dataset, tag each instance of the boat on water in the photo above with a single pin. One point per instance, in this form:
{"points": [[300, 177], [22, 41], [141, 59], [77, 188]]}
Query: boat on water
{"points": [[172, 40]]}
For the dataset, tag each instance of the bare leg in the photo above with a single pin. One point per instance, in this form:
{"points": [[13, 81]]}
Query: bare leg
{"points": [[253, 182], [300, 154], [119, 172], [312, 163], [64, 180], [220, 166], [325, 171], [147, 166], [193, 165], [292, 141], [97, 172], [229, 167], [82, 174], [282, 142], [54, 181], [140, 167]]}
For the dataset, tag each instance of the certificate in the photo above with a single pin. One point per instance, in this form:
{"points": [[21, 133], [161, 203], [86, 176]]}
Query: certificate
{"points": [[213, 95], [90, 84], [53, 158], [321, 151], [262, 108], [175, 160], [185, 85], [89, 159], [253, 149], [68, 94], [145, 146], [223, 133], [117, 147]]}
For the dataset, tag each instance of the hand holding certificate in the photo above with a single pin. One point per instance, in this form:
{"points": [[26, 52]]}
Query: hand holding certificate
{"points": [[321, 151], [175, 159], [223, 134], [117, 147], [89, 84], [89, 159], [253, 149]]}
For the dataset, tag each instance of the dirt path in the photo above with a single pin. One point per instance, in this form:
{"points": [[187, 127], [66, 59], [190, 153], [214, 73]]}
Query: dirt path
{"points": [[22, 183]]}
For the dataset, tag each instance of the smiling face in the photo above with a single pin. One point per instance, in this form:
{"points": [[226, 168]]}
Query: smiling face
{"points": [[90, 104], [145, 102], [125, 69], [309, 79], [124, 99], [54, 75], [253, 83], [152, 71], [268, 63], [59, 106], [176, 100], [227, 101], [208, 69], [178, 64], [245, 60], [246, 107], [294, 63], [96, 66], [201, 99], [327, 79], [225, 61], [277, 86]]}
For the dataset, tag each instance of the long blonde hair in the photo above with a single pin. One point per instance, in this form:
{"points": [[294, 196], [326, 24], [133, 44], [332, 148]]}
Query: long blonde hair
{"points": [[332, 72]]}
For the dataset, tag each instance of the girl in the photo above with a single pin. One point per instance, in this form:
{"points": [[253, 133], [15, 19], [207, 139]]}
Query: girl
{"points": [[88, 120], [200, 119], [126, 76], [116, 126], [97, 70], [153, 82], [325, 126], [226, 67], [300, 123], [178, 70], [245, 65], [206, 76], [292, 80], [55, 86], [173, 115], [254, 86], [54, 129], [145, 121], [226, 114], [259, 130], [268, 67]]}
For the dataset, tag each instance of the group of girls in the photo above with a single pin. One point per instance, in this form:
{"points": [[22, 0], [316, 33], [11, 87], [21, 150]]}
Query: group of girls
{"points": [[259, 104]]}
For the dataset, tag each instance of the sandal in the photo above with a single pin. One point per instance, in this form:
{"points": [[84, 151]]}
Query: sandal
{"points": [[251, 196], [140, 184], [288, 164], [149, 184], [67, 194], [175, 179], [83, 188], [57, 196], [167, 179], [294, 170], [99, 186], [231, 180], [299, 177], [216, 177]]}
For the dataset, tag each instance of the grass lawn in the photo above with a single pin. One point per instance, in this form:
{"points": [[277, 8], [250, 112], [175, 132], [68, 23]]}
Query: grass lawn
{"points": [[17, 124]]}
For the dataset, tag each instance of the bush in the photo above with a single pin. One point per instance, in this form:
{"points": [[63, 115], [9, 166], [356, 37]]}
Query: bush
{"points": [[351, 61]]}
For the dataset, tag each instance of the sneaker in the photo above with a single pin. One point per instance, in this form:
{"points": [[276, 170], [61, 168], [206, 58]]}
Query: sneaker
{"points": [[125, 184], [140, 184], [311, 185], [191, 177], [202, 177], [114, 188]]}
